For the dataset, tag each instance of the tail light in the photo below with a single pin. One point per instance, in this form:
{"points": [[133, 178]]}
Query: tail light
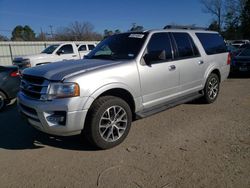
{"points": [[15, 74], [229, 59]]}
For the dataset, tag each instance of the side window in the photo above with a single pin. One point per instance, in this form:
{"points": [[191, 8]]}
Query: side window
{"points": [[66, 49], [159, 48], [212, 43], [91, 46], [82, 48], [185, 45]]}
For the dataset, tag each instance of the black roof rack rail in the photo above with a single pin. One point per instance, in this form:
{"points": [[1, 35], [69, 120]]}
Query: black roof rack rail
{"points": [[188, 27]]}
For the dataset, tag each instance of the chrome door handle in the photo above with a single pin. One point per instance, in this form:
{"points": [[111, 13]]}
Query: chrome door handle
{"points": [[172, 67], [201, 62]]}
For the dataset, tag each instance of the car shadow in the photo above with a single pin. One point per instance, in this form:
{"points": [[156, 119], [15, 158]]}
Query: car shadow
{"points": [[17, 134], [242, 75]]}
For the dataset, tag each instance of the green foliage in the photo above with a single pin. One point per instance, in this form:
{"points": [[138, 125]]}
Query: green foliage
{"points": [[214, 26], [136, 27], [21, 33]]}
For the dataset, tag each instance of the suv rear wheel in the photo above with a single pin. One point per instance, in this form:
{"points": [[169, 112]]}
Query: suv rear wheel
{"points": [[212, 88], [108, 122]]}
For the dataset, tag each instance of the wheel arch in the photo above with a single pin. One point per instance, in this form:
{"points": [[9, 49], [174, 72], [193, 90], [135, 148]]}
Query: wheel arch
{"points": [[116, 90], [214, 70]]}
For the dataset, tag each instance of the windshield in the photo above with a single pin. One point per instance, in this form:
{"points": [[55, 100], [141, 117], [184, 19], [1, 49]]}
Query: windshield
{"points": [[245, 52], [50, 49], [121, 46]]}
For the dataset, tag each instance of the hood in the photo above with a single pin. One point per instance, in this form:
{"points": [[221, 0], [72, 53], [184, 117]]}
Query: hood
{"points": [[60, 70], [37, 56]]}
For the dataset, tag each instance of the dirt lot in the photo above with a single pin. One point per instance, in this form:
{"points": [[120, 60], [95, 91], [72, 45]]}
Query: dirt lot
{"points": [[192, 145]]}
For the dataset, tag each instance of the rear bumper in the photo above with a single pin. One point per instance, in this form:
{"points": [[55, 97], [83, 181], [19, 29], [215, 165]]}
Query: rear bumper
{"points": [[237, 69], [37, 113]]}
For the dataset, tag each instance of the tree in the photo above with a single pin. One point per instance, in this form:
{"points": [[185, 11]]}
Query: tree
{"points": [[17, 33], [28, 33], [245, 20], [215, 8], [3, 38], [136, 27], [21, 33], [78, 31], [108, 33], [214, 26]]}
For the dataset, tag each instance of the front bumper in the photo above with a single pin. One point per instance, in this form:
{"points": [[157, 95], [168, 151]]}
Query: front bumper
{"points": [[37, 112]]}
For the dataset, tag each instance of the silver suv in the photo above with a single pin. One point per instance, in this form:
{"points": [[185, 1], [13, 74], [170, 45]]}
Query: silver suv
{"points": [[126, 77]]}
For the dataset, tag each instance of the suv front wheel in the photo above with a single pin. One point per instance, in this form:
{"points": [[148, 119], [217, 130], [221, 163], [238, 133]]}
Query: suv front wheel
{"points": [[108, 122], [212, 88]]}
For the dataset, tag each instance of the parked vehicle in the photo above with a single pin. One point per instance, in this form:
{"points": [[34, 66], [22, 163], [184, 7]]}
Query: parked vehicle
{"points": [[54, 53], [9, 84], [241, 62], [84, 49], [127, 76], [239, 43]]}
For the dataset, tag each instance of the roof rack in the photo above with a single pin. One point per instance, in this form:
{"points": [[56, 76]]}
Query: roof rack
{"points": [[188, 27]]}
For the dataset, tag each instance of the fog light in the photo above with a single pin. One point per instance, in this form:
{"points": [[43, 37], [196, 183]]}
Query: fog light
{"points": [[57, 118]]}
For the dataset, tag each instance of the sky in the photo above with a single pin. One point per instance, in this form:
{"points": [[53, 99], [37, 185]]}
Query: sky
{"points": [[103, 14]]}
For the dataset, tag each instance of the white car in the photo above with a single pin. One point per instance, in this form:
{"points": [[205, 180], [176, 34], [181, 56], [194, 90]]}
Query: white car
{"points": [[54, 53], [84, 49]]}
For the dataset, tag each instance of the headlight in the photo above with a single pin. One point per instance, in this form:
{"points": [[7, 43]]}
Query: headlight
{"points": [[62, 90]]}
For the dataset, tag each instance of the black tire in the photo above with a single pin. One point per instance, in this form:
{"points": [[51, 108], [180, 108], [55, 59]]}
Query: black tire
{"points": [[2, 101], [101, 122], [212, 89]]}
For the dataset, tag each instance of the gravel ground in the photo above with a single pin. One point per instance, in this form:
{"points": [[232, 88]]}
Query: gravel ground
{"points": [[191, 145]]}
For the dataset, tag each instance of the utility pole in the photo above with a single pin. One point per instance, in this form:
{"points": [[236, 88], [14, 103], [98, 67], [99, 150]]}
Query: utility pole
{"points": [[51, 31], [42, 34]]}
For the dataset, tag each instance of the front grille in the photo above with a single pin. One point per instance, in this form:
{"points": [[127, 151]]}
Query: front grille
{"points": [[28, 109], [34, 87], [29, 112]]}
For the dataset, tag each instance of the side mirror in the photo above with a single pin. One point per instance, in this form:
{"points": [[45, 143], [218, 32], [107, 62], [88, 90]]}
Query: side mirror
{"points": [[60, 52], [154, 56]]}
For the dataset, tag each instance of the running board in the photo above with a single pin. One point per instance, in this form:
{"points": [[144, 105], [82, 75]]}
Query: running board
{"points": [[159, 108]]}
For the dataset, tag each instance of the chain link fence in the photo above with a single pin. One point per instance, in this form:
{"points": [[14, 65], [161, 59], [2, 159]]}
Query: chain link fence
{"points": [[10, 50]]}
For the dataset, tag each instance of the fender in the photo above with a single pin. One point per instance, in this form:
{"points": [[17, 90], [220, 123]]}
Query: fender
{"points": [[105, 88]]}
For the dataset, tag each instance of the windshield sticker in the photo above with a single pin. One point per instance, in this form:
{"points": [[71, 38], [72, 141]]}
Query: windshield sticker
{"points": [[131, 55], [139, 36]]}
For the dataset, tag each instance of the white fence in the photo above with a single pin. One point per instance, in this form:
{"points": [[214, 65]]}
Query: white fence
{"points": [[10, 50]]}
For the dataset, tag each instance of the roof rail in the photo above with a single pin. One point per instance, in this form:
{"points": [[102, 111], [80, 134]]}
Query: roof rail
{"points": [[188, 27]]}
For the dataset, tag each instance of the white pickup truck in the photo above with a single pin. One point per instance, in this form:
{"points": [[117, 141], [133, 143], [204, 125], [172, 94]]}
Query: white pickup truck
{"points": [[55, 53]]}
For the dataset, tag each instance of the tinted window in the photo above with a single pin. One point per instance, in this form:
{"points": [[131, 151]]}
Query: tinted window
{"points": [[66, 49], [82, 48], [212, 43], [120, 46], [160, 44], [184, 45], [91, 47]]}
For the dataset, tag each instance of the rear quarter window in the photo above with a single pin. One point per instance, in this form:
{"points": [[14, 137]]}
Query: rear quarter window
{"points": [[212, 43]]}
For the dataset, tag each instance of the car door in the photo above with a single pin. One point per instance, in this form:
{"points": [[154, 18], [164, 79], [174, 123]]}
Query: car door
{"points": [[66, 52], [83, 50], [159, 74], [190, 63]]}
